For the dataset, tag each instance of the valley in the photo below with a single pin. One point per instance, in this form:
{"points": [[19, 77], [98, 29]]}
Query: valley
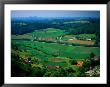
{"points": [[60, 47]]}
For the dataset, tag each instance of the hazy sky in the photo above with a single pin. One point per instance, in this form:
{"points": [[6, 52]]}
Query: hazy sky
{"points": [[54, 13]]}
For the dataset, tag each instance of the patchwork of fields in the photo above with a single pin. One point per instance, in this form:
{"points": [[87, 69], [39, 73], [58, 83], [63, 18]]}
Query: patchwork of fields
{"points": [[51, 49], [52, 54], [55, 52]]}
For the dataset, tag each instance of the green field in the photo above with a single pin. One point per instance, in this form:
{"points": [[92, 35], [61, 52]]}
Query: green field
{"points": [[37, 48], [47, 33], [46, 51]]}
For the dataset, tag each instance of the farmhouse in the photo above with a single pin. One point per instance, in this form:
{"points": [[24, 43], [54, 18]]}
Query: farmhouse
{"points": [[89, 73], [96, 58], [49, 39], [89, 39], [80, 63], [70, 39], [26, 61], [74, 38]]}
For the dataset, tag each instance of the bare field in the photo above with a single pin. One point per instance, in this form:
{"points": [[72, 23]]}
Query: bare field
{"points": [[82, 42]]}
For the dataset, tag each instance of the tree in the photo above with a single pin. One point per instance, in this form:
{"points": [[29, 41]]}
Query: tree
{"points": [[73, 62], [92, 55], [38, 71]]}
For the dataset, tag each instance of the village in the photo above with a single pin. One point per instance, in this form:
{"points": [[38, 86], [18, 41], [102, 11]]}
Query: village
{"points": [[61, 40], [92, 67]]}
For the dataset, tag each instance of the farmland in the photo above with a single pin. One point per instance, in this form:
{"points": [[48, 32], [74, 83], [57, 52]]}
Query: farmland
{"points": [[55, 49]]}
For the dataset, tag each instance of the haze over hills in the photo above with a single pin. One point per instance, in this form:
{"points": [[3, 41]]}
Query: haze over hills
{"points": [[54, 13], [21, 25]]}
